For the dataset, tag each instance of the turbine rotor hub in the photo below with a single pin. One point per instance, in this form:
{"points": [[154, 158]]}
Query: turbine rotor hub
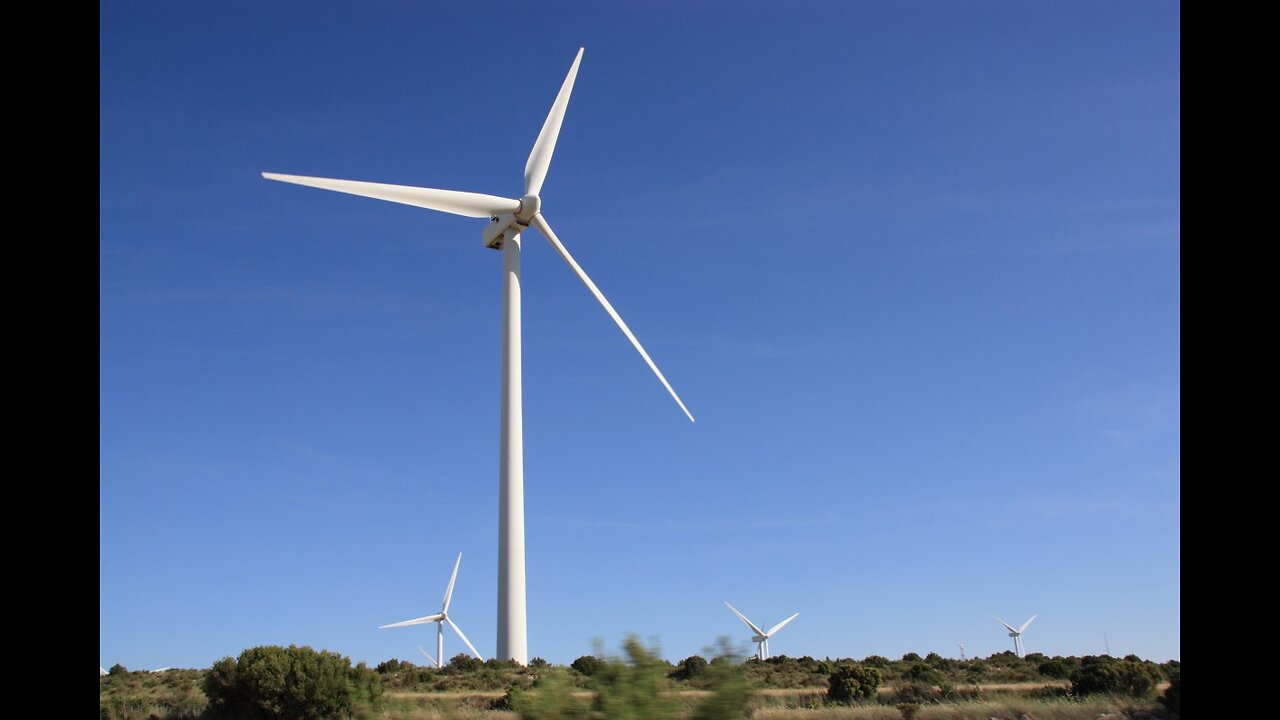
{"points": [[530, 205]]}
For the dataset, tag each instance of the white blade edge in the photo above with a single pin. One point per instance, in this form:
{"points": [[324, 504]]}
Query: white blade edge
{"points": [[541, 223], [535, 169], [1026, 624], [468, 204], [744, 619], [1005, 624], [448, 592], [428, 656], [416, 621], [458, 630], [781, 625]]}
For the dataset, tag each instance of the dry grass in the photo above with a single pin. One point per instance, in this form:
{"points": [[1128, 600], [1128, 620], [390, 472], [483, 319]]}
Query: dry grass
{"points": [[869, 712], [1004, 709]]}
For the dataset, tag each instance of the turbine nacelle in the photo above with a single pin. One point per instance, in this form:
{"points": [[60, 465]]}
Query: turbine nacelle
{"points": [[501, 227]]}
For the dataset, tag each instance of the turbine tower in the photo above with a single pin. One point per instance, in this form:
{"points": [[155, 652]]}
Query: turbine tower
{"points": [[761, 638], [440, 619], [508, 218], [1016, 634], [961, 650]]}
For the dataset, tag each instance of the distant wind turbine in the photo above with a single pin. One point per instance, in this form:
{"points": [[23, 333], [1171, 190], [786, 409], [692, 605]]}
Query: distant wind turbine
{"points": [[761, 638], [1016, 634], [440, 619], [508, 219], [961, 650]]}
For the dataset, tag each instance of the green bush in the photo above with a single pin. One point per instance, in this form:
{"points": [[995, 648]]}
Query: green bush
{"points": [[463, 664], [1172, 697], [294, 683], [552, 699], [853, 682], [921, 673], [690, 668], [729, 694], [1055, 668], [1102, 674], [635, 688], [588, 665]]}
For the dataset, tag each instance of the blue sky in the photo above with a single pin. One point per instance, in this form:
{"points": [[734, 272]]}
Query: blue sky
{"points": [[913, 266]]}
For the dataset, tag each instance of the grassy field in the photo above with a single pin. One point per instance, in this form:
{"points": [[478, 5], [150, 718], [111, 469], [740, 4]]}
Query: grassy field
{"points": [[775, 707], [1001, 701], [642, 686]]}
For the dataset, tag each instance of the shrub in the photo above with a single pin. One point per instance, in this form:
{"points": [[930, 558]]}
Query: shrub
{"points": [[393, 665], [853, 682], [1134, 678], [552, 700], [921, 673], [690, 668], [294, 683], [1055, 668], [463, 664], [913, 693], [729, 694], [635, 687], [587, 665], [118, 669], [1172, 698]]}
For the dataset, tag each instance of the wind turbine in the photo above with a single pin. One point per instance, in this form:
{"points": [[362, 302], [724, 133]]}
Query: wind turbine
{"points": [[961, 650], [761, 638], [440, 619], [1016, 634], [508, 218]]}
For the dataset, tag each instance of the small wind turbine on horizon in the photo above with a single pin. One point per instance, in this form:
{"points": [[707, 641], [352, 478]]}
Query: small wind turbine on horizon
{"points": [[1016, 634], [440, 619], [761, 638], [961, 650], [508, 218]]}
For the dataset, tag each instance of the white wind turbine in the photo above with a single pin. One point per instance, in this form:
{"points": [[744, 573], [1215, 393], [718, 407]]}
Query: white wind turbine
{"points": [[508, 219], [761, 638], [440, 619], [1016, 634]]}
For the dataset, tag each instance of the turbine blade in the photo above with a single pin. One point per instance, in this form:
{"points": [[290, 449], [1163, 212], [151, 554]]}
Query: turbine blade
{"points": [[535, 170], [416, 621], [458, 630], [469, 204], [781, 625], [750, 624], [448, 592], [428, 656], [541, 223], [1005, 624], [1026, 624]]}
